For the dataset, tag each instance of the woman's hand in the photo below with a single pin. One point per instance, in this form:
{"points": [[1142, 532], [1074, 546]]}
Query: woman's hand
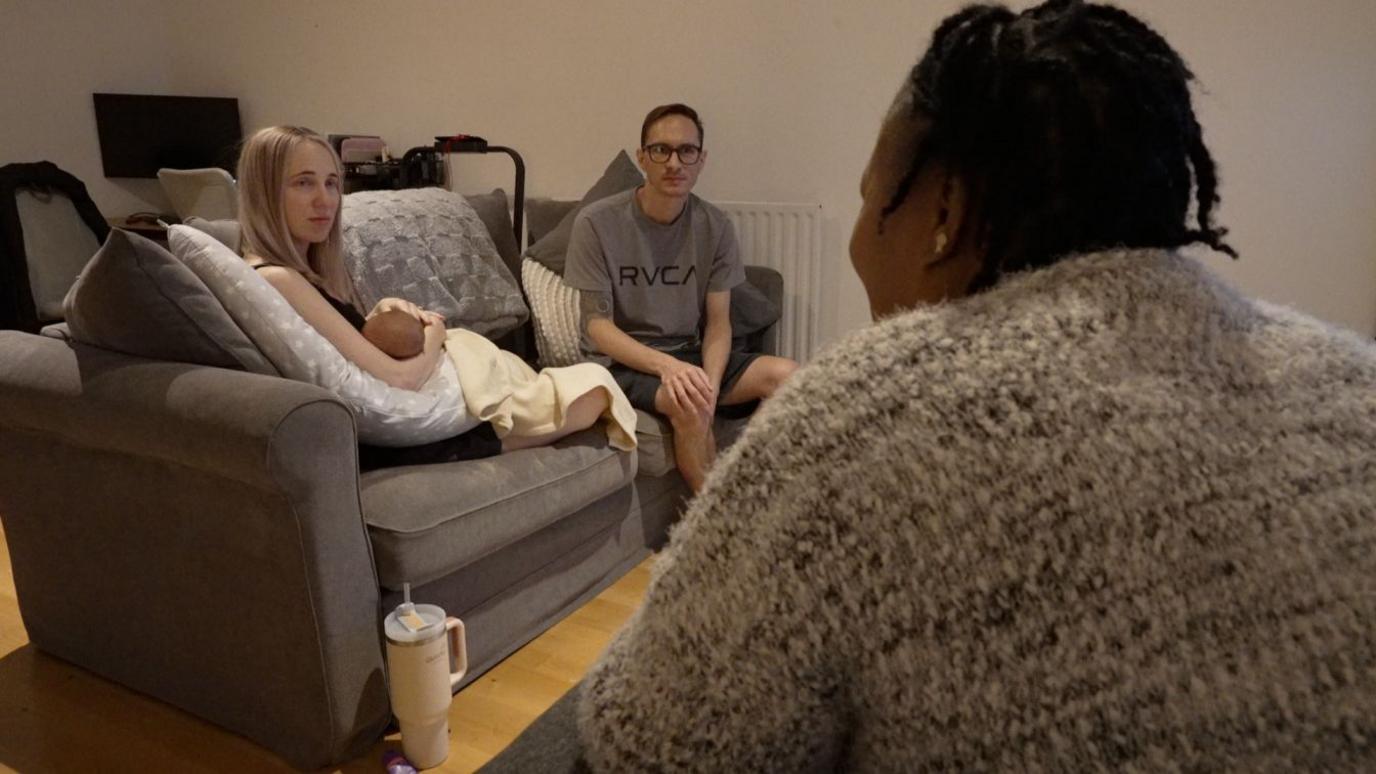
{"points": [[434, 332]]}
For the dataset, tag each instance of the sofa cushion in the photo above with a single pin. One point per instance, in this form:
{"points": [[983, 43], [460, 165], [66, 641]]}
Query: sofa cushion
{"points": [[386, 416], [553, 314], [620, 175], [654, 444], [135, 297], [494, 210], [428, 246], [752, 308], [425, 521], [543, 214]]}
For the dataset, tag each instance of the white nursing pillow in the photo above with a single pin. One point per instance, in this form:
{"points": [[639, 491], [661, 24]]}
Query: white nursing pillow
{"points": [[386, 415]]}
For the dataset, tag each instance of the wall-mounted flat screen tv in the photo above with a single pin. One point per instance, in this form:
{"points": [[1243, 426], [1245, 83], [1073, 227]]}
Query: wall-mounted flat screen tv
{"points": [[141, 133]]}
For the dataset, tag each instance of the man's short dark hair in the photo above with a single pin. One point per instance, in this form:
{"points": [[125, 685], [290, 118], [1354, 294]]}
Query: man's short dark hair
{"points": [[672, 109]]}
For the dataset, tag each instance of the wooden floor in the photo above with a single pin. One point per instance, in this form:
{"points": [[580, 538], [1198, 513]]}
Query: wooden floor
{"points": [[55, 717]]}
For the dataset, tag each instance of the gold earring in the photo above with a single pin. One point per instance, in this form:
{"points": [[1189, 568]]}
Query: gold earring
{"points": [[939, 241]]}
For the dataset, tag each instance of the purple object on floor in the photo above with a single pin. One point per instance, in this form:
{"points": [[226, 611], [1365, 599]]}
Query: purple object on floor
{"points": [[396, 763]]}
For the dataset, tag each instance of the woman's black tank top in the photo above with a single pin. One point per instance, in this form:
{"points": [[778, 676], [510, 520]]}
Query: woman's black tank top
{"points": [[347, 311]]}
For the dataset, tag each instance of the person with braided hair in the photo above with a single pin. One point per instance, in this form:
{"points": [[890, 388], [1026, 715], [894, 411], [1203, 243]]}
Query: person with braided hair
{"points": [[1075, 503]]}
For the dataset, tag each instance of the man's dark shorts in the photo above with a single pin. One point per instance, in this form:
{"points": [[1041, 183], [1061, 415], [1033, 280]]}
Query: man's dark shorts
{"points": [[640, 387]]}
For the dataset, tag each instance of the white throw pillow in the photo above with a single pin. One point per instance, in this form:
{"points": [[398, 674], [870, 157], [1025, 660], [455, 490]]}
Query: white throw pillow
{"points": [[386, 416], [554, 311]]}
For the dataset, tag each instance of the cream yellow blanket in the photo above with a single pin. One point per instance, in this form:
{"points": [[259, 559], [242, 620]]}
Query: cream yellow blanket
{"points": [[500, 388]]}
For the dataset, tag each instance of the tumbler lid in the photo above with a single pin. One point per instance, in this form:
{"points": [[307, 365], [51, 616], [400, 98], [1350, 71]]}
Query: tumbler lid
{"points": [[413, 623]]}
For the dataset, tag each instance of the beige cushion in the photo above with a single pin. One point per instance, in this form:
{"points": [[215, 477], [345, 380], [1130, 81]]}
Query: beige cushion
{"points": [[554, 314], [135, 297]]}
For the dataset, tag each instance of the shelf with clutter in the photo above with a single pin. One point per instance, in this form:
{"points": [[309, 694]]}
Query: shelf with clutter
{"points": [[370, 166]]}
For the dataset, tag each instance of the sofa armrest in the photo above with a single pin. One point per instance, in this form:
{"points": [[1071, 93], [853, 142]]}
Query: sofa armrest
{"points": [[196, 534], [771, 283]]}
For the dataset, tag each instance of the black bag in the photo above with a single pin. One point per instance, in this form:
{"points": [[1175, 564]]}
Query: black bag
{"points": [[16, 296]]}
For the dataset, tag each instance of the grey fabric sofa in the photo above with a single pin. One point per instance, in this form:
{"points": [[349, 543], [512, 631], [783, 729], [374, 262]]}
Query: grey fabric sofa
{"points": [[203, 536]]}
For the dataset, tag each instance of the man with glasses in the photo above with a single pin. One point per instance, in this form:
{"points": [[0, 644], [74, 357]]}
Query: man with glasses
{"points": [[655, 267]]}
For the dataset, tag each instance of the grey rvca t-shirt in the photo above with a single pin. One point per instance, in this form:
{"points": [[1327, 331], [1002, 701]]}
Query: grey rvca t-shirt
{"points": [[655, 277]]}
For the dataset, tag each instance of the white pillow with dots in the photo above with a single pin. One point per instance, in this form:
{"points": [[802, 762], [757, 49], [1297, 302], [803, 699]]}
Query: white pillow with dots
{"points": [[386, 415]]}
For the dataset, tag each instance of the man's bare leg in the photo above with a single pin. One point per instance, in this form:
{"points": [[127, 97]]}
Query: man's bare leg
{"points": [[761, 379], [694, 444]]}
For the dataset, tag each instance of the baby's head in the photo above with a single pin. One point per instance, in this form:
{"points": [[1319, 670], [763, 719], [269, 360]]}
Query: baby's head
{"points": [[395, 332]]}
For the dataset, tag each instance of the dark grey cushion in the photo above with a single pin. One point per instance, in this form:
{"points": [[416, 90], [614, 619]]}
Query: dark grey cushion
{"points": [[494, 211], [542, 215], [426, 521], [752, 309], [135, 297], [620, 175]]}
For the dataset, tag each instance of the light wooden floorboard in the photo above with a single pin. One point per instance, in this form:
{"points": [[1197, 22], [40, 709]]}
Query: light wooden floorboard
{"points": [[55, 717]]}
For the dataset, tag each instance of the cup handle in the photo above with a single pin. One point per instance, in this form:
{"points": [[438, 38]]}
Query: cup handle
{"points": [[458, 645]]}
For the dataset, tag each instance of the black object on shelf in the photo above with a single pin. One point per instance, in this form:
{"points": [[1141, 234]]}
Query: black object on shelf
{"points": [[421, 167], [424, 166], [372, 176]]}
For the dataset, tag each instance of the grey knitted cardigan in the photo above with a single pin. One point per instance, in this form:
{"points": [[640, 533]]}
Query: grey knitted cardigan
{"points": [[1108, 515]]}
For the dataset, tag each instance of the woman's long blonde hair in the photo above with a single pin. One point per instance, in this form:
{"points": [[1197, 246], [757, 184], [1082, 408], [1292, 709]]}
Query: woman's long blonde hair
{"points": [[263, 217]]}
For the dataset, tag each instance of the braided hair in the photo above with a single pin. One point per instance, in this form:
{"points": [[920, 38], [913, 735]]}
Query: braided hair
{"points": [[1071, 127]]}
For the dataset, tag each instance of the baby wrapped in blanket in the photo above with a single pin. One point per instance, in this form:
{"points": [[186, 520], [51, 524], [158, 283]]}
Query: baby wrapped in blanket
{"points": [[500, 388]]}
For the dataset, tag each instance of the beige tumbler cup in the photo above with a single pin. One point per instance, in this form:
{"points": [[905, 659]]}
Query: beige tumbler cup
{"points": [[420, 684]]}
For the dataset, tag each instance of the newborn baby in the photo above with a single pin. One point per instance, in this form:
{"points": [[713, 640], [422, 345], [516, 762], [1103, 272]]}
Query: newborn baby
{"points": [[395, 332]]}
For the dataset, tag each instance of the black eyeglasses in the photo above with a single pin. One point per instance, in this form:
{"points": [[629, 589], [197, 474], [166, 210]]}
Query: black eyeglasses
{"points": [[687, 154]]}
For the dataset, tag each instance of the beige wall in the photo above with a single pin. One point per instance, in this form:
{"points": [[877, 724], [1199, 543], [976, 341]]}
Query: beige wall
{"points": [[53, 56], [791, 90]]}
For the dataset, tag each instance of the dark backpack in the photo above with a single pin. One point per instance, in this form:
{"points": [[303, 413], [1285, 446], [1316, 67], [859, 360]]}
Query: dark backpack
{"points": [[17, 308]]}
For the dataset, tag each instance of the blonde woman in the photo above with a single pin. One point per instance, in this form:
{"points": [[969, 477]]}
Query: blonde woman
{"points": [[289, 198]]}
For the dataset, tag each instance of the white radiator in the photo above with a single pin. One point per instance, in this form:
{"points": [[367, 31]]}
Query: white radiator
{"points": [[788, 238]]}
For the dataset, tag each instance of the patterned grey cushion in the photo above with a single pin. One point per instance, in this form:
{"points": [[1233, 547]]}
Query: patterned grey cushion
{"points": [[428, 246]]}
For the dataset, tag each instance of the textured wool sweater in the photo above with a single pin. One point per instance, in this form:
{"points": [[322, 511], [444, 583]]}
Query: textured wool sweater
{"points": [[1108, 515]]}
